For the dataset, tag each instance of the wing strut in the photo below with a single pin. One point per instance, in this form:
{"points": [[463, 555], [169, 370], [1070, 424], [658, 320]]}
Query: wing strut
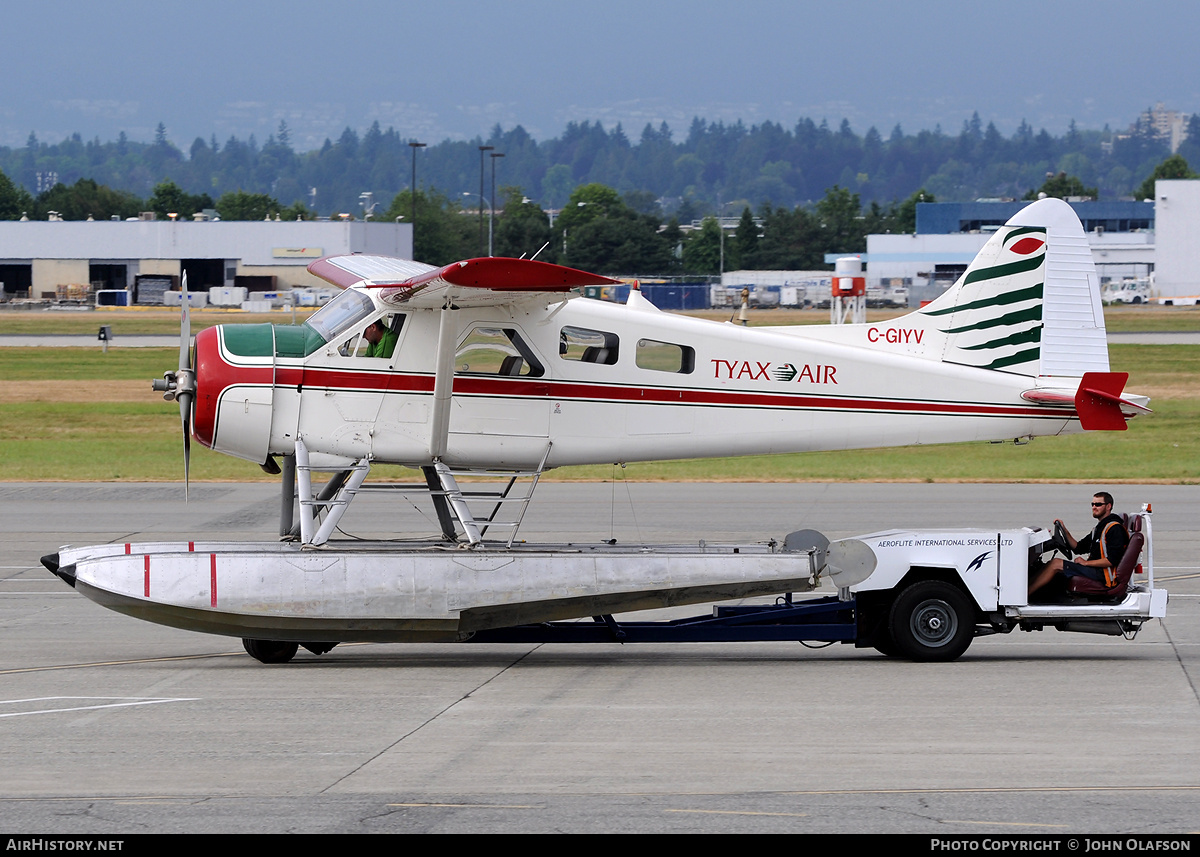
{"points": [[312, 535], [445, 514], [450, 499], [443, 382]]}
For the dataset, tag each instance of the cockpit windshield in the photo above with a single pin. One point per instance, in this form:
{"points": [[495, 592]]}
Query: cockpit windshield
{"points": [[340, 314]]}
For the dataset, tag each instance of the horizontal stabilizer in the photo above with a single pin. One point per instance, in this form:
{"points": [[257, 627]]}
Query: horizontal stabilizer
{"points": [[1099, 401]]}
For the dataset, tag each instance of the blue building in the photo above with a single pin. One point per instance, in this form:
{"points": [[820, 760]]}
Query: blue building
{"points": [[946, 218], [949, 234]]}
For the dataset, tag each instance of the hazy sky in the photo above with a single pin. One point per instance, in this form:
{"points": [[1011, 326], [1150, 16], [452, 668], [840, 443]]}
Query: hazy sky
{"points": [[454, 68]]}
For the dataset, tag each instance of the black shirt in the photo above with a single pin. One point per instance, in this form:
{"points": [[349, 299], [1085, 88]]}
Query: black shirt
{"points": [[1108, 541]]}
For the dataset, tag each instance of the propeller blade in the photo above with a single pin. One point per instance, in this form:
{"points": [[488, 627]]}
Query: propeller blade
{"points": [[186, 382], [187, 445], [185, 326], [181, 384]]}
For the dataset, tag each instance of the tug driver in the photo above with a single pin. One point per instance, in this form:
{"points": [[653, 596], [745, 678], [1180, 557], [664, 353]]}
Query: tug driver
{"points": [[1103, 546]]}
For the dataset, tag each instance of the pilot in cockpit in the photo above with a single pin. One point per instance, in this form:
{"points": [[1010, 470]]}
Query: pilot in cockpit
{"points": [[381, 339]]}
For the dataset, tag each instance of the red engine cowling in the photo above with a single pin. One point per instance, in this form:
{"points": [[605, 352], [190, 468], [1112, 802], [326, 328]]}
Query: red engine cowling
{"points": [[233, 398]]}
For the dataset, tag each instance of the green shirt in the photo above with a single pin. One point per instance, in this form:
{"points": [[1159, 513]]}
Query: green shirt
{"points": [[385, 346]]}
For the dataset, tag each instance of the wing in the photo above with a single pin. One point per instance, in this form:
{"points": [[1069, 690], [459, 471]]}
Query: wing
{"points": [[347, 271], [474, 282]]}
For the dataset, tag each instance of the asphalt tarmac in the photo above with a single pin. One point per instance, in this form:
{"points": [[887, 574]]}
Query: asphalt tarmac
{"points": [[113, 726]]}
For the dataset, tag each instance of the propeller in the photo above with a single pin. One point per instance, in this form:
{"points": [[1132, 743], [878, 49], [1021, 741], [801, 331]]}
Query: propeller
{"points": [[180, 385]]}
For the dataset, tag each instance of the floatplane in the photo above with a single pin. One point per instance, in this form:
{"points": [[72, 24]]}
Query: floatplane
{"points": [[498, 365]]}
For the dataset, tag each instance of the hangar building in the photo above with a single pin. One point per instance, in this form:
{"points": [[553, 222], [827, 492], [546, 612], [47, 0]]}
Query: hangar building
{"points": [[37, 257], [1157, 241], [1177, 269]]}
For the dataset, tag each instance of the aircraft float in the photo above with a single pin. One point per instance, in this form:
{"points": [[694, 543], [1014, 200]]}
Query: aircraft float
{"points": [[498, 366]]}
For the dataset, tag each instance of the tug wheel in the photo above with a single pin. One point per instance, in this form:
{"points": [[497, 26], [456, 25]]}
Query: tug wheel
{"points": [[885, 645], [932, 621], [270, 651]]}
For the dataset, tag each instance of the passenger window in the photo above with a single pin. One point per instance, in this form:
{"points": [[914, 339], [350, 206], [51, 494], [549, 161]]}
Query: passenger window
{"points": [[496, 351], [588, 346], [665, 356]]}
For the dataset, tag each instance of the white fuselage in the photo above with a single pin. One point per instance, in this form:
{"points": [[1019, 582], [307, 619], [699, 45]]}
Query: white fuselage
{"points": [[672, 387]]}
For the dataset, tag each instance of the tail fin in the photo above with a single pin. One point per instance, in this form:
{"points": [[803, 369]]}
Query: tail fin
{"points": [[1029, 303]]}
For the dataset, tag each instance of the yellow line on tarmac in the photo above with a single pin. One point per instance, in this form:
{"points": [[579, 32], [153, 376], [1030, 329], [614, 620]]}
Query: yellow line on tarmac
{"points": [[469, 805], [997, 790], [998, 823], [120, 663], [740, 812], [132, 661]]}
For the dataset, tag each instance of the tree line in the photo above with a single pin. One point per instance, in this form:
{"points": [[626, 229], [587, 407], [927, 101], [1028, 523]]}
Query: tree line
{"points": [[87, 199], [596, 226], [715, 165]]}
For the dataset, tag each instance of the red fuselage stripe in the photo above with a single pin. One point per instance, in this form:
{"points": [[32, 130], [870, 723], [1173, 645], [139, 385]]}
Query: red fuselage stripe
{"points": [[219, 374]]}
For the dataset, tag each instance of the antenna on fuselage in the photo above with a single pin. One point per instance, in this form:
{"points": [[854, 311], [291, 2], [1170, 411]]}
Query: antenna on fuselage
{"points": [[540, 249]]}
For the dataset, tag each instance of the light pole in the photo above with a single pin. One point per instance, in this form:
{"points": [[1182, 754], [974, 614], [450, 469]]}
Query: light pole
{"points": [[412, 218], [579, 205], [368, 204], [721, 226], [492, 203], [482, 200], [482, 149]]}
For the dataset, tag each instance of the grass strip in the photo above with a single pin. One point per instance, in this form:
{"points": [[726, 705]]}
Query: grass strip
{"points": [[81, 440], [145, 321]]}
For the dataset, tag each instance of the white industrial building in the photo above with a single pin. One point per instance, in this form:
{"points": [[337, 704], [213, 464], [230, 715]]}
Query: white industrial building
{"points": [[1177, 263], [1155, 246], [1167, 255], [38, 258], [929, 264]]}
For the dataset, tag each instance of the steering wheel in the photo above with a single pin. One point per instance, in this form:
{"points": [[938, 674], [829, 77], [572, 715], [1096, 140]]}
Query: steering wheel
{"points": [[1059, 541]]}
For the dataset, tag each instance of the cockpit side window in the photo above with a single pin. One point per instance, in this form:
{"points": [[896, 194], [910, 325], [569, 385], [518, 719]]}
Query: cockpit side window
{"points": [[378, 339], [496, 351]]}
